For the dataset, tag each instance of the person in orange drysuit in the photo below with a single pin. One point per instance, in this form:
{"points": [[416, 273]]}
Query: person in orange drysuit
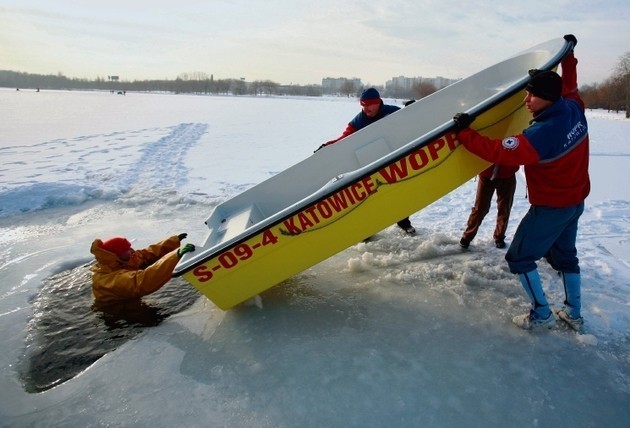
{"points": [[122, 273]]}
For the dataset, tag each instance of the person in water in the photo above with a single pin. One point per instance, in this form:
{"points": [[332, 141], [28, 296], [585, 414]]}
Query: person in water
{"points": [[122, 273]]}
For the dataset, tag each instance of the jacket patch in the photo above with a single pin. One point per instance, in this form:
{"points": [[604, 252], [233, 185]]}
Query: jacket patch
{"points": [[510, 143]]}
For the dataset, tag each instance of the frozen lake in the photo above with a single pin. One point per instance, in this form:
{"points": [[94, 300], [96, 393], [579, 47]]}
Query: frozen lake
{"points": [[399, 331]]}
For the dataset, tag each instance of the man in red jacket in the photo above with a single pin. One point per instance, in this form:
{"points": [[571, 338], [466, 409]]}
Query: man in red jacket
{"points": [[554, 150], [500, 179]]}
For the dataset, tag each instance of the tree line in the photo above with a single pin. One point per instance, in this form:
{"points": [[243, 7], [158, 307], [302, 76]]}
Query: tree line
{"points": [[196, 83], [199, 83], [613, 94], [193, 83]]}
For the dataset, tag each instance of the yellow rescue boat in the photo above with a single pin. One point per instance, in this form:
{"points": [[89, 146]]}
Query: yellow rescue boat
{"points": [[349, 191]]}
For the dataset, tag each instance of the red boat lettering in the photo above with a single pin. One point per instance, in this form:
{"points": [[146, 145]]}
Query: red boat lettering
{"points": [[202, 273], [417, 160], [305, 222], [233, 257], [325, 209]]}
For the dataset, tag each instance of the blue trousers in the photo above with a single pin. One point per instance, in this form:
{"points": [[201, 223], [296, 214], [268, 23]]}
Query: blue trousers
{"points": [[546, 232]]}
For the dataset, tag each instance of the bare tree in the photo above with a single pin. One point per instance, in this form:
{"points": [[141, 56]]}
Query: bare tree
{"points": [[348, 88], [423, 89], [262, 87], [623, 76]]}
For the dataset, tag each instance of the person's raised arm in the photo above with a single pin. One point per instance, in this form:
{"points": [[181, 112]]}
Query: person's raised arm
{"points": [[569, 74]]}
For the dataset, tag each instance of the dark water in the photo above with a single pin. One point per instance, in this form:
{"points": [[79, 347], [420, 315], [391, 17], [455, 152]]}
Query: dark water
{"points": [[68, 332]]}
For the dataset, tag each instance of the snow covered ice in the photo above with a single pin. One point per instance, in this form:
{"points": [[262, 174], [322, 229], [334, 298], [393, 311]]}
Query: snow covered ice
{"points": [[398, 331]]}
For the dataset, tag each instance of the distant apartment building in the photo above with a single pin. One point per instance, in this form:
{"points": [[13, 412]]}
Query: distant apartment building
{"points": [[403, 86], [397, 87]]}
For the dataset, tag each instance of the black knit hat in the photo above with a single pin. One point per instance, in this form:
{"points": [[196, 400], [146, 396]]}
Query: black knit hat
{"points": [[545, 84], [370, 96]]}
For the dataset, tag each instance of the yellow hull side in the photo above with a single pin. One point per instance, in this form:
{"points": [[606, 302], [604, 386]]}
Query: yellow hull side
{"points": [[350, 215]]}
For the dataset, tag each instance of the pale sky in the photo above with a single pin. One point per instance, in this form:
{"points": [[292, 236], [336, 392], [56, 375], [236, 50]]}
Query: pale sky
{"points": [[301, 42]]}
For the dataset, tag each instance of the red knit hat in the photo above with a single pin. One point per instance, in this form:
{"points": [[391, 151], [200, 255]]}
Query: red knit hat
{"points": [[117, 245]]}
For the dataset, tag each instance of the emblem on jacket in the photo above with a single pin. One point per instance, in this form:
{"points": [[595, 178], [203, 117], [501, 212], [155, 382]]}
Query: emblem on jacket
{"points": [[510, 143]]}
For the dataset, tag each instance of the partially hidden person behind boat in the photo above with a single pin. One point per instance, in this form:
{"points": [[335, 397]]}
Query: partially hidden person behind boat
{"points": [[499, 179], [555, 152], [122, 273], [372, 109]]}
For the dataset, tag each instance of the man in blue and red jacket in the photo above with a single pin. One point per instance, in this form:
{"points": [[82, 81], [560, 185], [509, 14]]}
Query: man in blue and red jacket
{"points": [[372, 109], [554, 150]]}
